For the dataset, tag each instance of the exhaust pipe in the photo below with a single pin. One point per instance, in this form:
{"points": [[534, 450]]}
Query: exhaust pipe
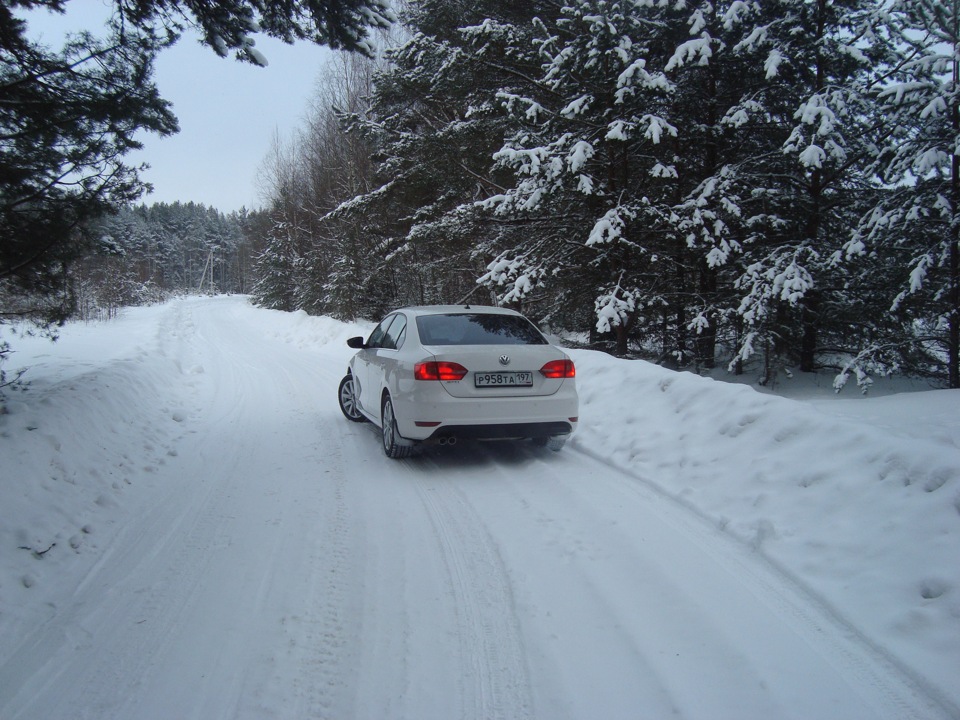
{"points": [[447, 440]]}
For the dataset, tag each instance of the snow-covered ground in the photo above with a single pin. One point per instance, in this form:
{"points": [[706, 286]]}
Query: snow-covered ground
{"points": [[190, 529]]}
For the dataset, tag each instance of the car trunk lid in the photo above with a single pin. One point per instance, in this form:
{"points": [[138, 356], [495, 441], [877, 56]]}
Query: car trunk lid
{"points": [[500, 371]]}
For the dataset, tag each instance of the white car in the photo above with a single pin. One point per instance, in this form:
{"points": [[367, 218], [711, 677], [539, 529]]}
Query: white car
{"points": [[439, 373]]}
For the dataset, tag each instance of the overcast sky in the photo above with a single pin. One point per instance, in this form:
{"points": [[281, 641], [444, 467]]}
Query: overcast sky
{"points": [[229, 112]]}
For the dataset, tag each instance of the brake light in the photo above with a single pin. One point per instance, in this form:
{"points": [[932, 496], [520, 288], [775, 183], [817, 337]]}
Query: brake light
{"points": [[559, 369], [439, 371]]}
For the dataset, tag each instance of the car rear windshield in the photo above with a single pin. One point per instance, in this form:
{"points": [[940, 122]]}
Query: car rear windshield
{"points": [[478, 329]]}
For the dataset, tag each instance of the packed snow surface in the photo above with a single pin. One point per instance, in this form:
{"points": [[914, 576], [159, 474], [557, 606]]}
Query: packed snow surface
{"points": [[189, 528]]}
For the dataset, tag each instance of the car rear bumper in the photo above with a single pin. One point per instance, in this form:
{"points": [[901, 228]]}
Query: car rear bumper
{"points": [[419, 419], [500, 432]]}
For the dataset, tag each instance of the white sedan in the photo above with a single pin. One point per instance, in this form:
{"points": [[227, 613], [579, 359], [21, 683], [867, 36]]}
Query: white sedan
{"points": [[439, 373]]}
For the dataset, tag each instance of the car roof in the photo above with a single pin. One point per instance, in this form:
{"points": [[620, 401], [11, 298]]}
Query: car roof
{"points": [[416, 310]]}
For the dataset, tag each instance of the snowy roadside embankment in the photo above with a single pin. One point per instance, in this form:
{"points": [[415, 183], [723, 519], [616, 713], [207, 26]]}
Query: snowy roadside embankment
{"points": [[96, 418], [857, 499], [865, 516]]}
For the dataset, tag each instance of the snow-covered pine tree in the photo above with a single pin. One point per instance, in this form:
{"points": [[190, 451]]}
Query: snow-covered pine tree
{"points": [[593, 161], [811, 121], [436, 127], [277, 269], [913, 230], [710, 78], [140, 255]]}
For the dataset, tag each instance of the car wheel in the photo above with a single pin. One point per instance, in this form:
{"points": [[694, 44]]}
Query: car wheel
{"points": [[348, 401], [553, 442], [391, 438]]}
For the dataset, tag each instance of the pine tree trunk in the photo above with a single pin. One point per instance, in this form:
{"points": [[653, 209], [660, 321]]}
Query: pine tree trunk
{"points": [[622, 334], [810, 308], [681, 312]]}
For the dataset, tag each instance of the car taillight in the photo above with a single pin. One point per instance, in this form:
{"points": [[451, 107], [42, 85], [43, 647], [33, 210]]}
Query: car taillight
{"points": [[439, 371], [559, 369]]}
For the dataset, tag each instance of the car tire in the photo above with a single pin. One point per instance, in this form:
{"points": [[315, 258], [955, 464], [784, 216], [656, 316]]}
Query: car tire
{"points": [[348, 400], [391, 438], [553, 442]]}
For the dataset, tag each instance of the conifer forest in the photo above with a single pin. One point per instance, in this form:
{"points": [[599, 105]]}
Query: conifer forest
{"points": [[705, 184]]}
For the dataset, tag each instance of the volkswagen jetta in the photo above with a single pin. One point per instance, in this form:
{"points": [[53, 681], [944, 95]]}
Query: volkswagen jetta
{"points": [[440, 373]]}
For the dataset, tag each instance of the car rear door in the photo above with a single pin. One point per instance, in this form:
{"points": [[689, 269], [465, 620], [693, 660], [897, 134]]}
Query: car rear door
{"points": [[368, 371], [382, 367]]}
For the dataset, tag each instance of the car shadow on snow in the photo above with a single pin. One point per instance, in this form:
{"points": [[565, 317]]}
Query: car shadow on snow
{"points": [[476, 452], [471, 454]]}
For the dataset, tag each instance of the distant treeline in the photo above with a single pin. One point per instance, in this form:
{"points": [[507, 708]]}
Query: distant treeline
{"points": [[145, 254]]}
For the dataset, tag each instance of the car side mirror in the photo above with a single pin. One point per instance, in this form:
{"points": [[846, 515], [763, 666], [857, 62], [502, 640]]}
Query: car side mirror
{"points": [[356, 343]]}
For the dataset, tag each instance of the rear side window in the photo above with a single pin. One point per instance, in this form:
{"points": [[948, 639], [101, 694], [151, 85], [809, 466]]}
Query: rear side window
{"points": [[393, 339], [478, 329], [379, 332]]}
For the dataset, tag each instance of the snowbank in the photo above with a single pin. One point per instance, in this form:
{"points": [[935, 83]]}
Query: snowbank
{"points": [[857, 499]]}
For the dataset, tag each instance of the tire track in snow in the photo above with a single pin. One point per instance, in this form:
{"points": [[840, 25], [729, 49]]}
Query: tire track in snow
{"points": [[490, 645], [320, 636], [313, 668], [856, 658], [597, 545]]}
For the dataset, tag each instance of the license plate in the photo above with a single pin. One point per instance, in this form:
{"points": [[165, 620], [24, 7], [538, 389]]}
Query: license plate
{"points": [[503, 379]]}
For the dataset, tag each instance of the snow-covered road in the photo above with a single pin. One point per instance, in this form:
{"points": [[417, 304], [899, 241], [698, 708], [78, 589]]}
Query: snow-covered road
{"points": [[259, 557]]}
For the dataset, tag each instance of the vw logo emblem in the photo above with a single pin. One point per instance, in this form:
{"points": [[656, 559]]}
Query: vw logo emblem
{"points": [[504, 359]]}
